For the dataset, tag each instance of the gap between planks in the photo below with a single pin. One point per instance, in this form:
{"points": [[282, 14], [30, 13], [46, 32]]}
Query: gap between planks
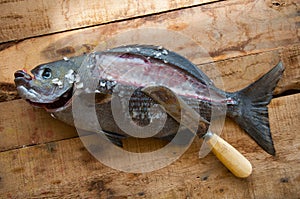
{"points": [[41, 18]]}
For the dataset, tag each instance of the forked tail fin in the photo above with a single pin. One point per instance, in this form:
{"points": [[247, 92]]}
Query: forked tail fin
{"points": [[251, 112]]}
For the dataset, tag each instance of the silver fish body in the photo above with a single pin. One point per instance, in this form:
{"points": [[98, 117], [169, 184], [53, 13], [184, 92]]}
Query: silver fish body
{"points": [[122, 72]]}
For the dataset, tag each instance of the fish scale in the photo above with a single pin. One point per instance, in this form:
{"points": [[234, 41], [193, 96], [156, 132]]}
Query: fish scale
{"points": [[122, 70]]}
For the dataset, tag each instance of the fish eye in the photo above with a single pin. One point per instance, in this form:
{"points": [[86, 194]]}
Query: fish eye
{"points": [[46, 73]]}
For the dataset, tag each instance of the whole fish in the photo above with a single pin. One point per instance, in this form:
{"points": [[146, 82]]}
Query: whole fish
{"points": [[125, 70]]}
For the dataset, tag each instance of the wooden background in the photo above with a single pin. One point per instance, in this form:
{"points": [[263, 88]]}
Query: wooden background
{"points": [[44, 158]]}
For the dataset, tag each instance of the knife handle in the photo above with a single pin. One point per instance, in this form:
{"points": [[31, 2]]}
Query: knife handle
{"points": [[229, 156]]}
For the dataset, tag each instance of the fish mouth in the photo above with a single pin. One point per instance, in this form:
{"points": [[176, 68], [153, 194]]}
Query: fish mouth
{"points": [[27, 92], [21, 74], [59, 104]]}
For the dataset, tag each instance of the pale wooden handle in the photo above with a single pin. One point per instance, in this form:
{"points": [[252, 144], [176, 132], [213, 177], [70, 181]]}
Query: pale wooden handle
{"points": [[230, 157]]}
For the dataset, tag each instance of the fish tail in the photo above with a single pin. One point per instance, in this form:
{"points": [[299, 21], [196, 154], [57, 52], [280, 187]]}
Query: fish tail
{"points": [[251, 111]]}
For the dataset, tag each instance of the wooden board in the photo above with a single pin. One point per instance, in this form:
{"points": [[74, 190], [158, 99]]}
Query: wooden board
{"points": [[223, 72], [247, 27], [43, 158], [22, 125], [250, 68], [22, 19], [65, 169], [236, 73]]}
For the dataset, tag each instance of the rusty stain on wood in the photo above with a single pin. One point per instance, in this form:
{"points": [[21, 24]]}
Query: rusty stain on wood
{"points": [[66, 51], [178, 26], [239, 47]]}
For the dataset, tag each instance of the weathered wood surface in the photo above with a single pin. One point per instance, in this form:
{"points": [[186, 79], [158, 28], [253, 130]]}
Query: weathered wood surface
{"points": [[226, 74], [224, 30], [32, 127], [42, 158], [22, 125], [27, 18], [236, 73], [65, 169]]}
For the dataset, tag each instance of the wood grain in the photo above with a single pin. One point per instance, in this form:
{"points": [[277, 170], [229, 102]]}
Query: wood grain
{"points": [[21, 19], [230, 74], [22, 125], [236, 73], [223, 30], [242, 39], [65, 169], [17, 128]]}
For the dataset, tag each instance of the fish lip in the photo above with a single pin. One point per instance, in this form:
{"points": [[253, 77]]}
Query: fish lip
{"points": [[22, 78], [21, 74], [31, 95], [21, 81]]}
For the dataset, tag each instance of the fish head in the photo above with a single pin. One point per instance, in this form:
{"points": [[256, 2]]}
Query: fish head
{"points": [[51, 85]]}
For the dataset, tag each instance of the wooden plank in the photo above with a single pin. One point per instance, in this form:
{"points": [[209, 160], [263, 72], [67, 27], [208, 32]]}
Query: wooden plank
{"points": [[66, 169], [236, 73], [231, 74], [224, 30], [21, 19], [8, 92], [291, 58], [22, 125]]}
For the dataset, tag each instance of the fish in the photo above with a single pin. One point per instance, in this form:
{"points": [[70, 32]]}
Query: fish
{"points": [[124, 71]]}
